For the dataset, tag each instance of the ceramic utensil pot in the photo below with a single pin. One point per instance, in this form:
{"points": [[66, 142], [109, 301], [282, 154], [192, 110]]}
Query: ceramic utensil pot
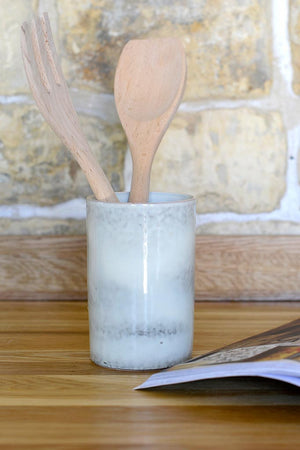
{"points": [[141, 281]]}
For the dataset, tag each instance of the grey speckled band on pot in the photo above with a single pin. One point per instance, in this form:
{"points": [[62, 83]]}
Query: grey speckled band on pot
{"points": [[141, 281]]}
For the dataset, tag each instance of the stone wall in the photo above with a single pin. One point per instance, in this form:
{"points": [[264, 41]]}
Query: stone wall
{"points": [[233, 143]]}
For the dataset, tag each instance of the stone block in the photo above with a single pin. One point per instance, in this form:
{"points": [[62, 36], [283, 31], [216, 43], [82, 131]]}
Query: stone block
{"points": [[227, 43], [13, 14], [36, 168], [230, 160]]}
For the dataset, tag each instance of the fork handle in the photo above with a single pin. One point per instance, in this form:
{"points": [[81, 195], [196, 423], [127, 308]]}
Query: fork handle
{"points": [[97, 179]]}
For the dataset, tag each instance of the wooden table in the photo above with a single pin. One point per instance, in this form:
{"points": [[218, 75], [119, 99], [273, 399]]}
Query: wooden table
{"points": [[52, 396]]}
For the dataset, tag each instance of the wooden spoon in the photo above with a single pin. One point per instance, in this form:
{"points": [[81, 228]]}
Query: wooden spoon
{"points": [[149, 84]]}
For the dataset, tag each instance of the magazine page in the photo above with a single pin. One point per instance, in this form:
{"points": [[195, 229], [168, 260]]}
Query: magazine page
{"points": [[272, 354]]}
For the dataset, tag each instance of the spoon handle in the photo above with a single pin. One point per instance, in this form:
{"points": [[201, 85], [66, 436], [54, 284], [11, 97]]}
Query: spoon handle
{"points": [[140, 182]]}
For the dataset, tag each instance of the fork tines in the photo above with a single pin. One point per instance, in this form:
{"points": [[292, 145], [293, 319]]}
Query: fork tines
{"points": [[39, 53]]}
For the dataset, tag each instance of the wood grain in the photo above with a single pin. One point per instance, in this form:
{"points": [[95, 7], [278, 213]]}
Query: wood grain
{"points": [[248, 268], [156, 427], [43, 267], [227, 268], [53, 396]]}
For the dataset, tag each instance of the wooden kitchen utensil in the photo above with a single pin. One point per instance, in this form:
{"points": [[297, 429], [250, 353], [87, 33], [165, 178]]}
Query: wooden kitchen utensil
{"points": [[52, 97], [149, 84]]}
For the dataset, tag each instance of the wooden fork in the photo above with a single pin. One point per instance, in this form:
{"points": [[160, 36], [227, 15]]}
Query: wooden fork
{"points": [[51, 95]]}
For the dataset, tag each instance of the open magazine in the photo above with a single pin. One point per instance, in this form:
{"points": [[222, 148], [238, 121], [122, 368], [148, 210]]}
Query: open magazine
{"points": [[273, 354]]}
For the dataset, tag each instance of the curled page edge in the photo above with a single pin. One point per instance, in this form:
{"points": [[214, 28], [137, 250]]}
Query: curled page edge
{"points": [[284, 370]]}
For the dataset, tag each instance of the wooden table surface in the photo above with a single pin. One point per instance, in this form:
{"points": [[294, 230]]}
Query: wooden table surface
{"points": [[52, 396]]}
